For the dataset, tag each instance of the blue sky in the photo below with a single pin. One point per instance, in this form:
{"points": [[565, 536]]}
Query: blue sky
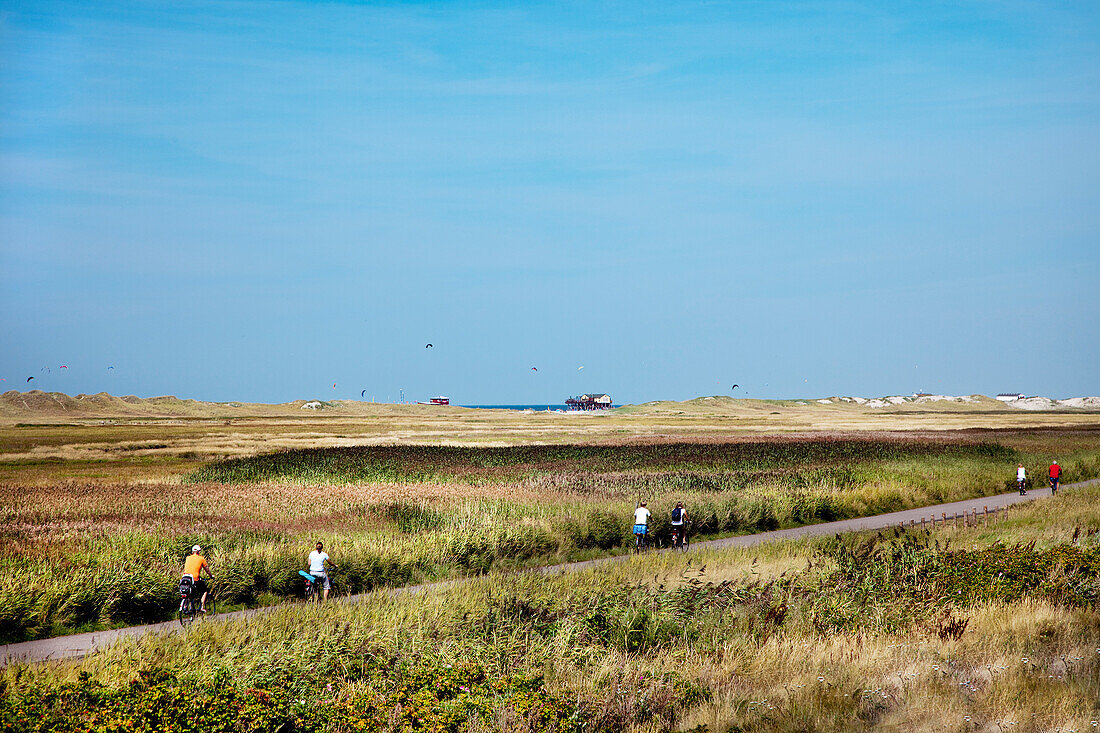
{"points": [[253, 201]]}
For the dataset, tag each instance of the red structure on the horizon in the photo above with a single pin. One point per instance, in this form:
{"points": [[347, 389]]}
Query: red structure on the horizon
{"points": [[589, 402], [441, 400]]}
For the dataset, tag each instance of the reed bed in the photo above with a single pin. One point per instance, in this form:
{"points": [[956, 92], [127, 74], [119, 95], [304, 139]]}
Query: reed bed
{"points": [[889, 631], [108, 554]]}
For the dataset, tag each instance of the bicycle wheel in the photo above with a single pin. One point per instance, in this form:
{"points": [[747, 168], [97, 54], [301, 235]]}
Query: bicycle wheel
{"points": [[211, 606], [186, 612]]}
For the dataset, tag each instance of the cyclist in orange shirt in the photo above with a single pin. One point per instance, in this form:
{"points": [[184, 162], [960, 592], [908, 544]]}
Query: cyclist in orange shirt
{"points": [[193, 566]]}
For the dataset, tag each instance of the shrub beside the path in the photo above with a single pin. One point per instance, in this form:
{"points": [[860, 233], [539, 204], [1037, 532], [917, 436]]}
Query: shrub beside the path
{"points": [[419, 698]]}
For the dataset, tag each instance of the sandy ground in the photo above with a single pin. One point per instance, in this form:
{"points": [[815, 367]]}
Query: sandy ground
{"points": [[166, 436]]}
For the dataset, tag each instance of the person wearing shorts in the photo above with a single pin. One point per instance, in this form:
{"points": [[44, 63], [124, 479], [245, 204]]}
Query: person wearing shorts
{"points": [[194, 565], [1055, 475], [317, 560], [641, 523]]}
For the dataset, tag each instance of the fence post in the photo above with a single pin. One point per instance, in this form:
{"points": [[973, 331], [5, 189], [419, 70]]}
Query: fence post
{"points": [[922, 523], [985, 516]]}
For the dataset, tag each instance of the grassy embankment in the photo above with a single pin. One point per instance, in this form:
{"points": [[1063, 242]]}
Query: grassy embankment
{"points": [[966, 629], [105, 554]]}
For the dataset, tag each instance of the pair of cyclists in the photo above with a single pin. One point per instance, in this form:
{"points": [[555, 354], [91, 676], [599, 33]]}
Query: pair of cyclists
{"points": [[641, 524], [1054, 475], [195, 565]]}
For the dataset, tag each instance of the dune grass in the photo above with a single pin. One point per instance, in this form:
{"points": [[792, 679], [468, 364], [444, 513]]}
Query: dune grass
{"points": [[901, 633], [885, 631], [108, 554]]}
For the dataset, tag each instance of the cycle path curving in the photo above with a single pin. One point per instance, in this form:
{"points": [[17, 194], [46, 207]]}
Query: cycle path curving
{"points": [[81, 645]]}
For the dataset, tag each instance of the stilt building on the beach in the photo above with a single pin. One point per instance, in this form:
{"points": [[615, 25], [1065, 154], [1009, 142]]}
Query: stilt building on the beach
{"points": [[589, 402]]}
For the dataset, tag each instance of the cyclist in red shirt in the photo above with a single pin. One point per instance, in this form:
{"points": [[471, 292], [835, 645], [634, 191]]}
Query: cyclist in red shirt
{"points": [[1055, 473]]}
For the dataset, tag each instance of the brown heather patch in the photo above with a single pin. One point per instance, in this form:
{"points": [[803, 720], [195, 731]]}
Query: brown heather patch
{"points": [[229, 505]]}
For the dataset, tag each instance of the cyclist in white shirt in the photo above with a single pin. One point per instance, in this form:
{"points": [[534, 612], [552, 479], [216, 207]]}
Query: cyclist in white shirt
{"points": [[317, 560], [641, 525], [1021, 479]]}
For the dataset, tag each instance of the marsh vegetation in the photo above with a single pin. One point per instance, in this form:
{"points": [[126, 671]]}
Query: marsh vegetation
{"points": [[820, 635], [953, 631]]}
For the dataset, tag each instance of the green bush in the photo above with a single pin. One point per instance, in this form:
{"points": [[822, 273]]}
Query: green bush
{"points": [[445, 699], [82, 603], [410, 517], [19, 615], [604, 530], [137, 596]]}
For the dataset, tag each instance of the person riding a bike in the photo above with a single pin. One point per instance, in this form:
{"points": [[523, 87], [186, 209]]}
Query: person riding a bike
{"points": [[641, 525], [193, 567], [317, 560], [1021, 479], [679, 524], [1055, 474]]}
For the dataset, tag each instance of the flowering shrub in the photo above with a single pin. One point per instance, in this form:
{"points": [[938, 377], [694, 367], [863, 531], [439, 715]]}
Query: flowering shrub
{"points": [[417, 699]]}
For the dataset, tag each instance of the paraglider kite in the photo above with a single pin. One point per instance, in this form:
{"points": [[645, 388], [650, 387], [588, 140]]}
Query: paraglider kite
{"points": [[428, 346], [29, 378]]}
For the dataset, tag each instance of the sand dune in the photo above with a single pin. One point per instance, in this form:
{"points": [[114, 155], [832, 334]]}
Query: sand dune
{"points": [[37, 404]]}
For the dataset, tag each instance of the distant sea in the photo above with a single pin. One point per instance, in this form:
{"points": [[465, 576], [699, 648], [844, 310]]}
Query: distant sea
{"points": [[518, 407]]}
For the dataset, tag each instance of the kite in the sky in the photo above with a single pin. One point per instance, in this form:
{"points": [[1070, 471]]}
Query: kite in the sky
{"points": [[734, 387], [110, 368], [579, 368], [64, 367], [334, 385], [534, 369], [428, 346], [29, 378], [363, 393]]}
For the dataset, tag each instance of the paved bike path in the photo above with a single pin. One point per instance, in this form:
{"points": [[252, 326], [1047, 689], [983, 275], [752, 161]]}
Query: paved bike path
{"points": [[79, 645]]}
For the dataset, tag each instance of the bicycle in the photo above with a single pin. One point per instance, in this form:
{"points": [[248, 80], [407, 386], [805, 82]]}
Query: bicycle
{"points": [[1053, 485], [315, 587], [190, 607], [679, 537], [641, 540]]}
